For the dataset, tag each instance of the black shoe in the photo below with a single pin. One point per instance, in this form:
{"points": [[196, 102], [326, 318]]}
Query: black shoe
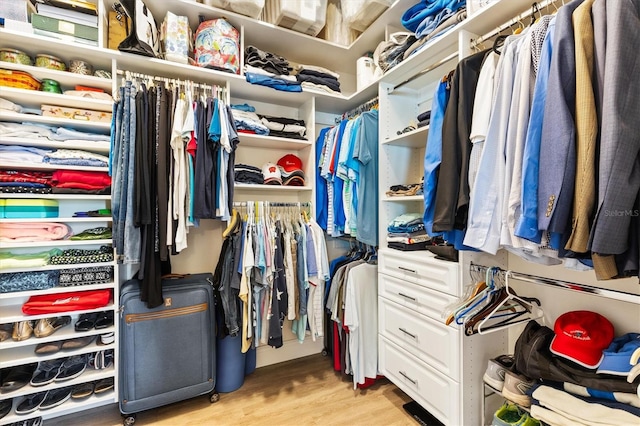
{"points": [[30, 403], [46, 372], [105, 319], [104, 385], [55, 397], [86, 321], [5, 407], [72, 367], [17, 377]]}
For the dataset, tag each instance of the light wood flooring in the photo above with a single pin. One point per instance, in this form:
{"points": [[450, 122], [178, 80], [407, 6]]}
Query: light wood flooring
{"points": [[301, 392]]}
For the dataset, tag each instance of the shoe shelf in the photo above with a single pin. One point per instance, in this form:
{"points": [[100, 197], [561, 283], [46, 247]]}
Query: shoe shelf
{"points": [[56, 243], [68, 407], [13, 313], [27, 354], [89, 375], [93, 146]]}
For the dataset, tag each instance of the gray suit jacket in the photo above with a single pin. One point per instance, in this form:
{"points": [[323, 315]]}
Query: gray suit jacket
{"points": [[556, 179], [619, 179]]}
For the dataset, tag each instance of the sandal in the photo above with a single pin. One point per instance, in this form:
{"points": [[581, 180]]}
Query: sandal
{"points": [[104, 385], [82, 391], [86, 321], [5, 331], [47, 326], [22, 330]]}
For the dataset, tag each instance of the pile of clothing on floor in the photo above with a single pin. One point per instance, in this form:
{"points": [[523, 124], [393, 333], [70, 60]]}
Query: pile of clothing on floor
{"points": [[272, 70], [567, 379], [248, 121], [425, 22], [406, 232]]}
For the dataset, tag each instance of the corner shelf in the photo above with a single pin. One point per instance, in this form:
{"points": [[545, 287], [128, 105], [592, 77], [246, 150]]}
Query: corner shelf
{"points": [[416, 138]]}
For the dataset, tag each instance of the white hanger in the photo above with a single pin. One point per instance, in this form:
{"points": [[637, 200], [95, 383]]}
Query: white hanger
{"points": [[535, 311]]}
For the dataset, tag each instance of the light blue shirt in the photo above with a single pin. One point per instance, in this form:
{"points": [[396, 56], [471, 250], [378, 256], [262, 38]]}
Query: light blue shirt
{"points": [[527, 226], [367, 154]]}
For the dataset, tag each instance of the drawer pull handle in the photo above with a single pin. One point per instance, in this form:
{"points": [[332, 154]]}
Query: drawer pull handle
{"points": [[413, 271], [415, 382], [407, 333], [407, 297]]}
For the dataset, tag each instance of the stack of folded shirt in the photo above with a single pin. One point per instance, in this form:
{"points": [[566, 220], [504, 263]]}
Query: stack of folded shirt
{"points": [[313, 77], [76, 157], [268, 69], [36, 231], [31, 131], [284, 127], [245, 173], [435, 26], [23, 154], [81, 182], [247, 121], [25, 182], [406, 232]]}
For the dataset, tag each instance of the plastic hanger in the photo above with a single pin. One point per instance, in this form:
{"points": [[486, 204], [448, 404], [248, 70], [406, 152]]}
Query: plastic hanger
{"points": [[515, 301]]}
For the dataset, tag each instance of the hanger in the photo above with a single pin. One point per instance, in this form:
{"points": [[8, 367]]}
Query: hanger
{"points": [[520, 27], [498, 43], [520, 306], [476, 303], [534, 9], [479, 287]]}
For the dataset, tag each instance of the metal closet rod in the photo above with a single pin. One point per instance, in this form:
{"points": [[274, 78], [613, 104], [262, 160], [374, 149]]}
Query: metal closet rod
{"points": [[582, 288], [475, 42], [271, 204], [129, 74]]}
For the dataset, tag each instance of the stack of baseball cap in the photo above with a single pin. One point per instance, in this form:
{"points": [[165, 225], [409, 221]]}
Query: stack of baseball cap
{"points": [[291, 170], [271, 174]]}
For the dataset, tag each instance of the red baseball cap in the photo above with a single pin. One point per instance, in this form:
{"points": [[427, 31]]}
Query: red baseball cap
{"points": [[290, 163], [582, 336]]}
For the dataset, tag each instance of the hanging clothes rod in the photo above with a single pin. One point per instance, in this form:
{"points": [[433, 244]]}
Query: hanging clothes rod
{"points": [[271, 204], [129, 74], [582, 288], [537, 6], [424, 71], [358, 110]]}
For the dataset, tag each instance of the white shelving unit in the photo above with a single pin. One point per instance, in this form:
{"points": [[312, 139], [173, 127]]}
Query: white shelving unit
{"points": [[16, 353]]}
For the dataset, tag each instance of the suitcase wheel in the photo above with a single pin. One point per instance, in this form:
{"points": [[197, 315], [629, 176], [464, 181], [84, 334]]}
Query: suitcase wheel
{"points": [[129, 420], [214, 397]]}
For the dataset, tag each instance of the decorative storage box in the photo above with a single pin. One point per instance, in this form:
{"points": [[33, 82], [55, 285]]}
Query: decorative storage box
{"points": [[305, 16], [176, 37], [30, 208], [18, 80], [362, 13], [251, 8], [76, 113]]}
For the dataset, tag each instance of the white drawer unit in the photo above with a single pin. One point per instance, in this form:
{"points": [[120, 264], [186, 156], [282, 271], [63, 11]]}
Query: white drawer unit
{"points": [[426, 339], [433, 390], [420, 268], [414, 296]]}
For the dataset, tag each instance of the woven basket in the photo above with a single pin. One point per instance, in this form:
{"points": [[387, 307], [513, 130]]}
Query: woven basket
{"points": [[18, 80]]}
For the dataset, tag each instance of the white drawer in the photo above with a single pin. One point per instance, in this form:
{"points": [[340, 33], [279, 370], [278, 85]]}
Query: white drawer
{"points": [[420, 268], [413, 296], [430, 341], [432, 390]]}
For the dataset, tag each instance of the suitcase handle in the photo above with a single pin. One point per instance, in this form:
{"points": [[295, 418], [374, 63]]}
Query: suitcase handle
{"points": [[174, 276]]}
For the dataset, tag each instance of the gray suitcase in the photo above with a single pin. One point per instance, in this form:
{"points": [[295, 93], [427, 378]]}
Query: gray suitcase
{"points": [[167, 353]]}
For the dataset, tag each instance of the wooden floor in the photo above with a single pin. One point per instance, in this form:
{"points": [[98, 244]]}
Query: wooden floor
{"points": [[302, 392]]}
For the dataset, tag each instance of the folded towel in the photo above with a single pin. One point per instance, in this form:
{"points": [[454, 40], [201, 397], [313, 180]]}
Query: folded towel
{"points": [[40, 231]]}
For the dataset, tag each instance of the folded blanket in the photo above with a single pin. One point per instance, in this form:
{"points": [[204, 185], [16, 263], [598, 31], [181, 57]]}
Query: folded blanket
{"points": [[10, 260], [39, 231]]}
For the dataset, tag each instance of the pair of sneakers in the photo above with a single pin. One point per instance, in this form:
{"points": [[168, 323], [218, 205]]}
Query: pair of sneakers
{"points": [[502, 376], [512, 415]]}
